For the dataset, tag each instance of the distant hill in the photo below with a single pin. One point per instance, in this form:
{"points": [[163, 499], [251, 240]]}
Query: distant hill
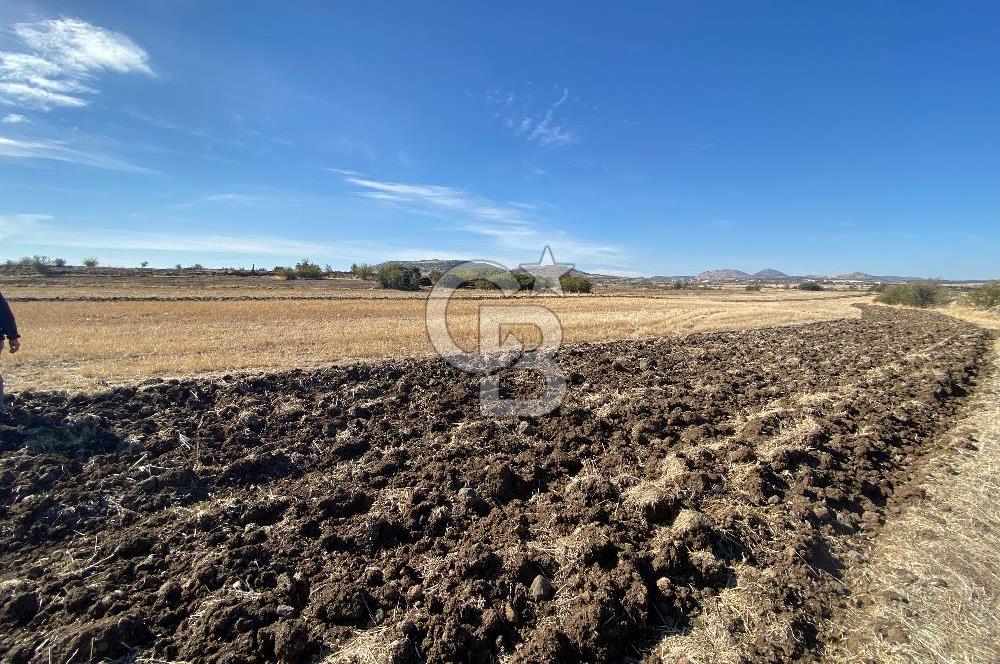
{"points": [[440, 265], [425, 266], [722, 275], [436, 264], [880, 278]]}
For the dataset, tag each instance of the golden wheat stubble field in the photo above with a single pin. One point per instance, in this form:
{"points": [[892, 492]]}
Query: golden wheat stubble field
{"points": [[87, 345], [132, 284]]}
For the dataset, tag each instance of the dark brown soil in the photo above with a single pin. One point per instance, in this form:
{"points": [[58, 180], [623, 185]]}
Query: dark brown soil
{"points": [[372, 510]]}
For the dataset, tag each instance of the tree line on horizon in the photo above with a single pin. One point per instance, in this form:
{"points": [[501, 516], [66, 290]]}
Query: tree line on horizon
{"points": [[398, 276]]}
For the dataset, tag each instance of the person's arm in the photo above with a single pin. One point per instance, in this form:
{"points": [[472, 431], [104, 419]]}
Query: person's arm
{"points": [[8, 326]]}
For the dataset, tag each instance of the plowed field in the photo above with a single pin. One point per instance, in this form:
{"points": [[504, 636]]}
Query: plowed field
{"points": [[370, 513]]}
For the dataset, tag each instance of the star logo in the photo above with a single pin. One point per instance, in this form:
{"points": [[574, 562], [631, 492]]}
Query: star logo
{"points": [[547, 273]]}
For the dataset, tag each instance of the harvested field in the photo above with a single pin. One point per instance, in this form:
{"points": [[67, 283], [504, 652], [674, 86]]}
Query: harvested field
{"points": [[695, 496], [139, 284], [90, 345]]}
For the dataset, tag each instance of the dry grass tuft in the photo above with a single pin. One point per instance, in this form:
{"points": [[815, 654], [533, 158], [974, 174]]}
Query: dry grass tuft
{"points": [[728, 623], [931, 589], [372, 646]]}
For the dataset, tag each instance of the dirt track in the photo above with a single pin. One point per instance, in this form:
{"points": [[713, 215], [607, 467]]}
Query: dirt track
{"points": [[370, 510]]}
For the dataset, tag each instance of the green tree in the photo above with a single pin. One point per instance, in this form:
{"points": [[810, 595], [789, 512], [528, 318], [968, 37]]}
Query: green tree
{"points": [[307, 270], [36, 263], [525, 281], [573, 284], [362, 270], [399, 278], [90, 262]]}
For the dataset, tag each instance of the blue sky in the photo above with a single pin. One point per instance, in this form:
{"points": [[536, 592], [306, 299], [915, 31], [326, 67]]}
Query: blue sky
{"points": [[664, 138]]}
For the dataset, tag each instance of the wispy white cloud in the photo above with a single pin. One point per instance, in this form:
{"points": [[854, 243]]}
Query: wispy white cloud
{"points": [[197, 134], [509, 226], [547, 132], [518, 113], [436, 198], [243, 199], [61, 151], [161, 123], [29, 230], [344, 171], [79, 45], [12, 225], [14, 118], [62, 61], [41, 230], [531, 239]]}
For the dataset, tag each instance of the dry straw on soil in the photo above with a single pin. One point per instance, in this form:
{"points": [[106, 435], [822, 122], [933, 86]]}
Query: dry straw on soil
{"points": [[930, 591], [86, 345]]}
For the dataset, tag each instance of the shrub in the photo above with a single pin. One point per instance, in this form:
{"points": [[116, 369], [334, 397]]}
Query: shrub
{"points": [[525, 281], [571, 284], [362, 271], [678, 285], [90, 262], [810, 286], [986, 296], [754, 288], [40, 264], [481, 277], [877, 288], [399, 278], [286, 273], [435, 276], [483, 284], [922, 295], [306, 270], [484, 278], [59, 262]]}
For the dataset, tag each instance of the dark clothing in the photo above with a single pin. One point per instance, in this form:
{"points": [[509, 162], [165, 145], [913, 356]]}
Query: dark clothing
{"points": [[8, 330], [8, 326]]}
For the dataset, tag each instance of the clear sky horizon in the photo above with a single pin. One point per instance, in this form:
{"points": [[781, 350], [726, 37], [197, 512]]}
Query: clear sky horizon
{"points": [[661, 138]]}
